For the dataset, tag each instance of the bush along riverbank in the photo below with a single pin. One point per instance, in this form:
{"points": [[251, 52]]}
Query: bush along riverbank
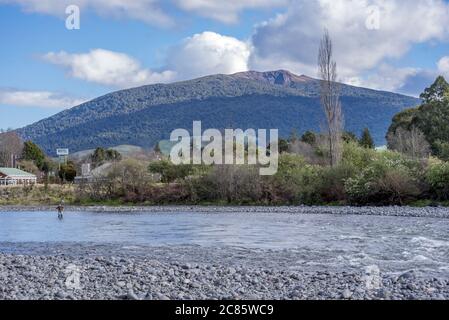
{"points": [[364, 177]]}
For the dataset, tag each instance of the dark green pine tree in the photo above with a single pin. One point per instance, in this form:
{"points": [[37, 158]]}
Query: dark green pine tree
{"points": [[366, 140], [32, 152], [309, 137]]}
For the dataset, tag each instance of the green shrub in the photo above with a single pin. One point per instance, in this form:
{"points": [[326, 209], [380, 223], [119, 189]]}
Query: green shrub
{"points": [[332, 182], [438, 179], [385, 181], [366, 140], [357, 156], [309, 137], [296, 182], [170, 172], [67, 172], [442, 150]]}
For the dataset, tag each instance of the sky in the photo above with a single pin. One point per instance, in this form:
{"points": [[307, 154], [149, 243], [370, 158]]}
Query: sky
{"points": [[48, 64]]}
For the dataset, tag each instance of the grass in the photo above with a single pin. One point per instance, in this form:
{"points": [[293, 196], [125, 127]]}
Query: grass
{"points": [[38, 195], [429, 203]]}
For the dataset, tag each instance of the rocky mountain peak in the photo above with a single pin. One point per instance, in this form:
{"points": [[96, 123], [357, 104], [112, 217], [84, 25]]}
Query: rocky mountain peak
{"points": [[278, 77]]}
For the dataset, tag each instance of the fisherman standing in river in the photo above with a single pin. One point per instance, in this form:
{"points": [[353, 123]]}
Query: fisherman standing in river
{"points": [[60, 209]]}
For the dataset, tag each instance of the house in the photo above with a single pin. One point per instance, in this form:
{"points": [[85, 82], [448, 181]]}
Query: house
{"points": [[12, 176], [96, 174]]}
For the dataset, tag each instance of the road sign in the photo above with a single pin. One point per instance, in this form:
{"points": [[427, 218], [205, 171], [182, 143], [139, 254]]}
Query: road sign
{"points": [[62, 152]]}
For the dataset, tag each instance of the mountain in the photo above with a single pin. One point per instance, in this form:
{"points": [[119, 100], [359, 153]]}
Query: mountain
{"points": [[277, 99]]}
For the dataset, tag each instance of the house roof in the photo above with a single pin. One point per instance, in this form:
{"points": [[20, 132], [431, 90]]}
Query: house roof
{"points": [[16, 172]]}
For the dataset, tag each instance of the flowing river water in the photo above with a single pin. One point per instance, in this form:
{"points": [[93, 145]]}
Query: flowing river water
{"points": [[394, 244]]}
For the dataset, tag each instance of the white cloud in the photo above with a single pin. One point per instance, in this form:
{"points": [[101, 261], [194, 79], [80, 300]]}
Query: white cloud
{"points": [[293, 37], [202, 54], [409, 81], [226, 11], [287, 41], [443, 66], [43, 99], [385, 77], [106, 67], [209, 53], [147, 11]]}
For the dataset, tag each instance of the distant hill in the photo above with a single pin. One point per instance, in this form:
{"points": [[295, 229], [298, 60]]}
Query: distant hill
{"points": [[145, 115]]}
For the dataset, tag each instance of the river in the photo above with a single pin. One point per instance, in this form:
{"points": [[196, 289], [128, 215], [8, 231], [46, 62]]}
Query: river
{"points": [[394, 244]]}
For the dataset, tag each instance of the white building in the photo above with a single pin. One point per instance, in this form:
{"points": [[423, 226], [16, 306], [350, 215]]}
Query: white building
{"points": [[12, 176], [89, 175]]}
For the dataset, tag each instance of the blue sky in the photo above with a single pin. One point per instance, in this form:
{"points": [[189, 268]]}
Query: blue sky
{"points": [[47, 68]]}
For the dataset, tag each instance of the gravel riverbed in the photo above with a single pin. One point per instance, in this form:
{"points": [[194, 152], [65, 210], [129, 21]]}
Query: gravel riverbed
{"points": [[68, 271]]}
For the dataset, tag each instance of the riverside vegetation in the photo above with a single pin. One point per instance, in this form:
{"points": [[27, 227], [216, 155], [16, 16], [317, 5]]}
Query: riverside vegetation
{"points": [[413, 171]]}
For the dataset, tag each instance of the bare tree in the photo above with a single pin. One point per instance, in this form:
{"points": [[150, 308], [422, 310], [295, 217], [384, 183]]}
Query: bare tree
{"points": [[330, 98], [235, 183], [10, 148], [411, 142]]}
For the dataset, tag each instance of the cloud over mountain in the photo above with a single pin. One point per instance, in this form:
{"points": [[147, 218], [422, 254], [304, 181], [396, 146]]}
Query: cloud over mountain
{"points": [[107, 68], [209, 53], [293, 37], [367, 50], [202, 54], [44, 99]]}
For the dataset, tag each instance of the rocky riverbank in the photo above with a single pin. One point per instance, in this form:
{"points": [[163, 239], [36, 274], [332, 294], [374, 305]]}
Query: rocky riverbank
{"points": [[107, 272], [416, 269], [432, 212]]}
